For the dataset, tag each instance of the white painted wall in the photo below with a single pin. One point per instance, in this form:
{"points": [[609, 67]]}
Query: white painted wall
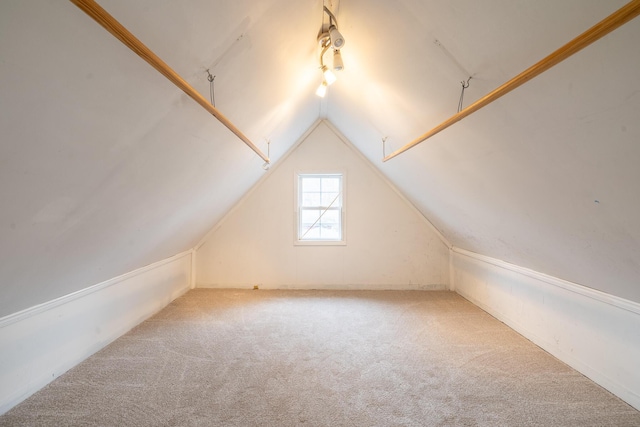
{"points": [[389, 245], [106, 166], [595, 333], [39, 344]]}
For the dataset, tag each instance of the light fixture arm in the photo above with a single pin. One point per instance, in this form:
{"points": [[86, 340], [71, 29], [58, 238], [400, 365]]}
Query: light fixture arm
{"points": [[329, 38], [332, 17], [332, 33], [325, 47]]}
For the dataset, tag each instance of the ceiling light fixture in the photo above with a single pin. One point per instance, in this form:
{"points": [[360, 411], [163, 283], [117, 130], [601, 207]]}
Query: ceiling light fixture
{"points": [[337, 61], [322, 89], [329, 77], [329, 38], [337, 41]]}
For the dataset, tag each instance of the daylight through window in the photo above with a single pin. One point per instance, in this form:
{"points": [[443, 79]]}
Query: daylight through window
{"points": [[320, 207]]}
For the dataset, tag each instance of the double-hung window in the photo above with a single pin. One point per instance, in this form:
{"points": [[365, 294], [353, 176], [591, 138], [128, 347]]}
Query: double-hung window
{"points": [[320, 209]]}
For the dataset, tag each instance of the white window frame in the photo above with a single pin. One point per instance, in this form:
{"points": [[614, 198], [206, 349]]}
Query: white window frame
{"points": [[297, 209]]}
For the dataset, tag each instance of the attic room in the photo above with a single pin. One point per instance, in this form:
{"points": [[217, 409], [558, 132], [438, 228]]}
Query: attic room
{"points": [[322, 212]]}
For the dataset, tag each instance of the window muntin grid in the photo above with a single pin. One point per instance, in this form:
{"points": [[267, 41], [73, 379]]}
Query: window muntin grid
{"points": [[320, 207]]}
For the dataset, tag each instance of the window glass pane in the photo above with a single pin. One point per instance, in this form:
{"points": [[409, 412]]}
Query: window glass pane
{"points": [[311, 199], [310, 184], [330, 225], [320, 210], [310, 224], [312, 234], [331, 184], [329, 234], [331, 216], [309, 216], [330, 199]]}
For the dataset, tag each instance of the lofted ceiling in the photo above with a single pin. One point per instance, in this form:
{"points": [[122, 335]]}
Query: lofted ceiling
{"points": [[105, 166]]}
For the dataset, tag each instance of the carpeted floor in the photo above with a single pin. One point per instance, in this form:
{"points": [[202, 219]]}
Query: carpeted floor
{"points": [[322, 358]]}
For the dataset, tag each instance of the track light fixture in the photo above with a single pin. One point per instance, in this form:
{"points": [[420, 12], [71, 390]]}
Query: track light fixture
{"points": [[329, 38], [337, 60], [337, 41], [329, 77], [322, 89]]}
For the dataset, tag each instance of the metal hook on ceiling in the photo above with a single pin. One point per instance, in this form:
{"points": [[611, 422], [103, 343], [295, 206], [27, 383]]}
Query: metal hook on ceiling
{"points": [[212, 88], [464, 86], [384, 147], [267, 164]]}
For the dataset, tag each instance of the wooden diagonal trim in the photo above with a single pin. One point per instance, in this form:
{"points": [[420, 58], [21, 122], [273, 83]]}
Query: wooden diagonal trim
{"points": [[103, 18], [604, 27]]}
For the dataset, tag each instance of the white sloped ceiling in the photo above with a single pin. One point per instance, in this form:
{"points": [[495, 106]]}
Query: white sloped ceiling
{"points": [[106, 167], [547, 177]]}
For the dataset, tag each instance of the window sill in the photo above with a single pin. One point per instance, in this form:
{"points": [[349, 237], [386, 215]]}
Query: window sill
{"points": [[319, 243]]}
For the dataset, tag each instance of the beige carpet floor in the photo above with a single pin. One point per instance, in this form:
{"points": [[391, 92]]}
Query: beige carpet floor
{"points": [[322, 358]]}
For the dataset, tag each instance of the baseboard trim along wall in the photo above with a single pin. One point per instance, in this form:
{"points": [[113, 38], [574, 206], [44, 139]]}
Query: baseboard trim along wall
{"points": [[338, 287], [41, 343], [593, 332]]}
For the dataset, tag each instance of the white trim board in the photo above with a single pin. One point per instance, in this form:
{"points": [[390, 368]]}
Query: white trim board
{"points": [[41, 343], [290, 151], [264, 177], [384, 178], [615, 301], [595, 333], [32, 311], [340, 287]]}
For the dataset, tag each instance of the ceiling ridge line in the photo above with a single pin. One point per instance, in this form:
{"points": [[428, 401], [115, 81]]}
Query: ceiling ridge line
{"points": [[215, 227], [346, 141]]}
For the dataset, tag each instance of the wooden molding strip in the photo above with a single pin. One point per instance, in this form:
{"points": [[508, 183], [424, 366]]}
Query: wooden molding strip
{"points": [[65, 299], [102, 17], [615, 301], [604, 27]]}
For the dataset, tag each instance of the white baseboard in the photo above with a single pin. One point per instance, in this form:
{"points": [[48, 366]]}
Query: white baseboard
{"points": [[361, 287], [595, 333], [41, 343]]}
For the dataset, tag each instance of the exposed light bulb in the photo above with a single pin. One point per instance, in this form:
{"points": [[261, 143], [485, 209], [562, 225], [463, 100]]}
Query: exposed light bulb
{"points": [[337, 61], [322, 89], [337, 41], [329, 77]]}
